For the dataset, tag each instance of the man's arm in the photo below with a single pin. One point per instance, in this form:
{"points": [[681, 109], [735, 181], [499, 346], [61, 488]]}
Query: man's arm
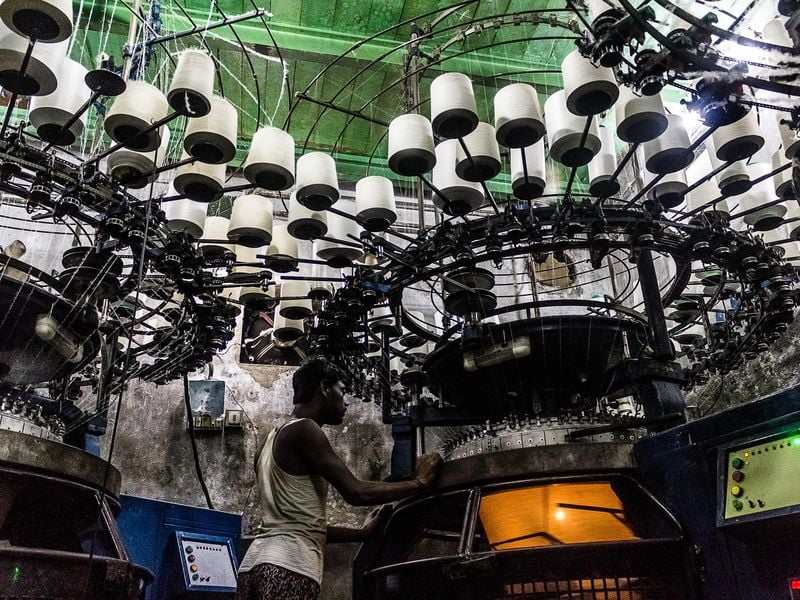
{"points": [[306, 440], [343, 535]]}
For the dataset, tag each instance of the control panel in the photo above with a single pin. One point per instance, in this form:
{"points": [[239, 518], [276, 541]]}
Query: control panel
{"points": [[208, 562], [761, 477]]}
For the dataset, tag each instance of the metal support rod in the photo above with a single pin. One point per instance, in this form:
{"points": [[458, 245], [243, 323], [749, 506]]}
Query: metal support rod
{"points": [[215, 25], [334, 240], [126, 65], [225, 190], [304, 278], [662, 345], [435, 190], [750, 211], [524, 165], [347, 111], [705, 178], [694, 145], [152, 127], [755, 181], [75, 116], [169, 167]]}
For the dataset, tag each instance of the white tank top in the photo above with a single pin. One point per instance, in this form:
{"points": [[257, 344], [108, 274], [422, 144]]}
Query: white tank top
{"points": [[293, 523]]}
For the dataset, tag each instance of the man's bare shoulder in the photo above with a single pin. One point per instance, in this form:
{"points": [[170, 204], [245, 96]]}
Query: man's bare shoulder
{"points": [[301, 434]]}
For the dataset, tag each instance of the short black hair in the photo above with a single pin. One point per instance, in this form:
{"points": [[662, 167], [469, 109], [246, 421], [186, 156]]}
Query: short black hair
{"points": [[311, 373]]}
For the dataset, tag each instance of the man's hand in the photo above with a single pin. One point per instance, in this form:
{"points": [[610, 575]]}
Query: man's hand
{"points": [[375, 518], [427, 466]]}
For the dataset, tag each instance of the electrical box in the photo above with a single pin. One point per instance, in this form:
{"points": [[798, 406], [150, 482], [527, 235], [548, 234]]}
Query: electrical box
{"points": [[207, 397], [207, 564], [760, 477], [158, 534]]}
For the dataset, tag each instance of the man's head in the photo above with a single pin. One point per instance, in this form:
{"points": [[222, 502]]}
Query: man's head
{"points": [[321, 380]]}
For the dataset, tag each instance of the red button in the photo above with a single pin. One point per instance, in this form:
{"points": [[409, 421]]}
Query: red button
{"points": [[737, 476], [190, 558]]}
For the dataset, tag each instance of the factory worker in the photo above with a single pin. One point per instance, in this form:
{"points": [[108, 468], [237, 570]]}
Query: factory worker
{"points": [[293, 469]]}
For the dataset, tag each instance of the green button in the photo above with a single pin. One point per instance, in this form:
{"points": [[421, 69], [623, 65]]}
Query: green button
{"points": [[189, 549], [737, 504], [737, 463]]}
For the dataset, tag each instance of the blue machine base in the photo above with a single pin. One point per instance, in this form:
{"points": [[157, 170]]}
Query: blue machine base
{"points": [[154, 532]]}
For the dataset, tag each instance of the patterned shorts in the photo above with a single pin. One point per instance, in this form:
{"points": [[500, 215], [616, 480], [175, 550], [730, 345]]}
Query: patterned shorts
{"points": [[270, 582]]}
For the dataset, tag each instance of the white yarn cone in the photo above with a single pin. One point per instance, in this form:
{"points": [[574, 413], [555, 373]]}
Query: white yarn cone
{"points": [[739, 140], [340, 229], [791, 252], [734, 180], [251, 221], [304, 223], [375, 204], [564, 133], [411, 148], [789, 138], [135, 169], [532, 186], [639, 118], [704, 195], [453, 110], [792, 213], [773, 236], [192, 84], [215, 228], [133, 112], [317, 182], [381, 319], [270, 161], [462, 196], [287, 330], [783, 181], [294, 303], [41, 74], [774, 32], [762, 193], [212, 138], [199, 181], [692, 335], [50, 113], [483, 162], [670, 151], [589, 90], [669, 190], [602, 167], [187, 216], [518, 116], [48, 21], [282, 253]]}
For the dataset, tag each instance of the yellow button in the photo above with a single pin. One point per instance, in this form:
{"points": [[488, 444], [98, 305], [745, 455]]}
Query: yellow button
{"points": [[737, 490], [193, 568]]}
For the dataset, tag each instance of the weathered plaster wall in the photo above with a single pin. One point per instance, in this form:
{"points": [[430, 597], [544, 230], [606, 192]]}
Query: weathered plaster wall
{"points": [[153, 450]]}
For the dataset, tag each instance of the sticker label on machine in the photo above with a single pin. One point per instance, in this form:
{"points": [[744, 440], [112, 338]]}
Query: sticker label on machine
{"points": [[763, 476], [208, 564]]}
